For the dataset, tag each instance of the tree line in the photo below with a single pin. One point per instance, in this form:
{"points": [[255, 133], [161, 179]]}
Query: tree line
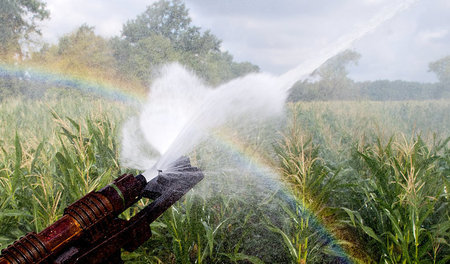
{"points": [[163, 33], [331, 82]]}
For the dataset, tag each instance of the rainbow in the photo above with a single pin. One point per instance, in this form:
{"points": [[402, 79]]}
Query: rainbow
{"points": [[250, 161], [83, 84], [245, 159]]}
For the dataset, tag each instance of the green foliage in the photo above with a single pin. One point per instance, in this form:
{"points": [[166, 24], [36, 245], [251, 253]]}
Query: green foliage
{"points": [[301, 238], [309, 178], [92, 152], [18, 22], [317, 187], [384, 90], [394, 194], [171, 20], [11, 84], [403, 202], [161, 35], [335, 67], [334, 84], [218, 67], [164, 33], [378, 90], [37, 182], [140, 60], [193, 230], [441, 68], [81, 54], [83, 48]]}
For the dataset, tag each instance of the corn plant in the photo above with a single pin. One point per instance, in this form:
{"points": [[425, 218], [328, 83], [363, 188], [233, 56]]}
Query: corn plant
{"points": [[203, 230], [40, 178], [298, 238], [404, 208], [88, 157], [395, 194], [14, 194]]}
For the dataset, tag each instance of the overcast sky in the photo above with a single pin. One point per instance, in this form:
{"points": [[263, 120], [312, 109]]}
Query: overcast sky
{"points": [[278, 35]]}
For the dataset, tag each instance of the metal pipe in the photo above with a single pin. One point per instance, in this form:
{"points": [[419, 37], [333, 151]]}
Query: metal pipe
{"points": [[94, 209]]}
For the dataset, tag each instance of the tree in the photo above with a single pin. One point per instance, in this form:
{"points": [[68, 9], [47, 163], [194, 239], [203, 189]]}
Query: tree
{"points": [[333, 80], [81, 52], [386, 90], [164, 33], [171, 20], [217, 67], [18, 24], [166, 18], [441, 68], [138, 60]]}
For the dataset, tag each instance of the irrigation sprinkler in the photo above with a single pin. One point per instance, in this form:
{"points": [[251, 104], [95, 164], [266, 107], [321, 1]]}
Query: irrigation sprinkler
{"points": [[90, 230]]}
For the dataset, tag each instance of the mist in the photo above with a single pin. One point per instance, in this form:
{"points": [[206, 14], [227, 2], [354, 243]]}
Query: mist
{"points": [[321, 128]]}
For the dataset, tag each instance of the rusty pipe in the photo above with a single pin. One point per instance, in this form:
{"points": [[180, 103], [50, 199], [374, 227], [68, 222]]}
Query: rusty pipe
{"points": [[95, 209]]}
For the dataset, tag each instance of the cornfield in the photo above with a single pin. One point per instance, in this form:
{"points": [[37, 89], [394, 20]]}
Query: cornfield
{"points": [[373, 175]]}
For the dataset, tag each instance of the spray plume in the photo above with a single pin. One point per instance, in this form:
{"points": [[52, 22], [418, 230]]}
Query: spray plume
{"points": [[182, 110]]}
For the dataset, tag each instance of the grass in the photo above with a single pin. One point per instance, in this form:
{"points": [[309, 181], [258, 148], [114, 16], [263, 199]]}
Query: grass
{"points": [[373, 175]]}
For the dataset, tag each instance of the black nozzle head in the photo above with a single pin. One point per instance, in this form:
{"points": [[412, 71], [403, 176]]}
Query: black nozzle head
{"points": [[180, 177]]}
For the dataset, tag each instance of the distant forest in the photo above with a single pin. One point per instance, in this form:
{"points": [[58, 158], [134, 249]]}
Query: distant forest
{"points": [[331, 82], [164, 33]]}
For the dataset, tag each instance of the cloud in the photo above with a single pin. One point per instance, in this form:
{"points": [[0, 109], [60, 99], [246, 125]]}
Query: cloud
{"points": [[403, 48], [432, 35], [106, 16], [278, 35]]}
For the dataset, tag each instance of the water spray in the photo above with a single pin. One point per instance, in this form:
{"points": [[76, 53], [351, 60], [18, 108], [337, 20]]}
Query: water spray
{"points": [[186, 110], [90, 230]]}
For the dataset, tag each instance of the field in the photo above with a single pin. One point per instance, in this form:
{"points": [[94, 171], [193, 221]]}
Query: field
{"points": [[336, 182]]}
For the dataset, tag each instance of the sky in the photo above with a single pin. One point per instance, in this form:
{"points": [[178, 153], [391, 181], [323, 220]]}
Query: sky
{"points": [[278, 35]]}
